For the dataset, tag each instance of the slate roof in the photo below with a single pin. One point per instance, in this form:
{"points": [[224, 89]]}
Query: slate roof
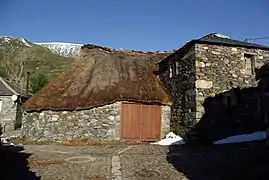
{"points": [[8, 89], [212, 38]]}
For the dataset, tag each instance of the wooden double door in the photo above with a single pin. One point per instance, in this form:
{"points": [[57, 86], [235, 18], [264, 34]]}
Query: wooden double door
{"points": [[140, 122]]}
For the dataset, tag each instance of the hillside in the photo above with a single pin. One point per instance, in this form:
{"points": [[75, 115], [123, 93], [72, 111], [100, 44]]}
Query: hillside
{"points": [[17, 56], [45, 61]]}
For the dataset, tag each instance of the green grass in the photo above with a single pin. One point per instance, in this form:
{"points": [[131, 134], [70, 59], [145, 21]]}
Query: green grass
{"points": [[37, 60]]}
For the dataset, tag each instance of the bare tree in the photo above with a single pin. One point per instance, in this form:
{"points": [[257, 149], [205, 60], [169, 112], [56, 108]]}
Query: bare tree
{"points": [[14, 64]]}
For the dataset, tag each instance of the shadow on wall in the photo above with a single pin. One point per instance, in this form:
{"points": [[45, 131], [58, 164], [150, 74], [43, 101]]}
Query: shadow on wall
{"points": [[239, 111], [234, 112], [14, 164]]}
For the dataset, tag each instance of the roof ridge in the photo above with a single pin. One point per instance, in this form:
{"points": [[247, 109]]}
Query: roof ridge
{"points": [[8, 87]]}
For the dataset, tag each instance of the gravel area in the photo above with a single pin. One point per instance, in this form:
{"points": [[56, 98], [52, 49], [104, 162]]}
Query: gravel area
{"points": [[148, 162], [113, 162], [135, 162]]}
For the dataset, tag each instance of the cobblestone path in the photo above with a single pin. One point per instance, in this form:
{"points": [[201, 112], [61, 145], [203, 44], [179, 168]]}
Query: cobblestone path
{"points": [[117, 162]]}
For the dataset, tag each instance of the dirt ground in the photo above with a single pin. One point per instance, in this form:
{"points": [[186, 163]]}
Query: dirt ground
{"points": [[55, 162], [135, 162]]}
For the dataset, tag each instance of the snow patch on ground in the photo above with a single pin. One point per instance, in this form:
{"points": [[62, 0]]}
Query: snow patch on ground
{"points": [[170, 139], [173, 139], [6, 140], [260, 135]]}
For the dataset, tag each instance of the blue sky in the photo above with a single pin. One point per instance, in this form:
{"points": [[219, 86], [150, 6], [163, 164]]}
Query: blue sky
{"points": [[133, 24]]}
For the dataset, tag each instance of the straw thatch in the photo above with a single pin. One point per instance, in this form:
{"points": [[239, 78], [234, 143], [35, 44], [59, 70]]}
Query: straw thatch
{"points": [[100, 77]]}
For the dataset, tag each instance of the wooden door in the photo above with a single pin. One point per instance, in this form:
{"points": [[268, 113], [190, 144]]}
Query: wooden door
{"points": [[150, 122], [140, 122]]}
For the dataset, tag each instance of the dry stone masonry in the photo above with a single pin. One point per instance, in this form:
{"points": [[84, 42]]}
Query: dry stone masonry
{"points": [[225, 85], [205, 70], [9, 113], [97, 123], [180, 84], [102, 123], [224, 69]]}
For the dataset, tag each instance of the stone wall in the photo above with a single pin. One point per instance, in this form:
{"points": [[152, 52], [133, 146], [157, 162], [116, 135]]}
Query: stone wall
{"points": [[180, 84], [221, 68], [101, 123], [203, 71], [228, 94], [165, 126], [7, 113]]}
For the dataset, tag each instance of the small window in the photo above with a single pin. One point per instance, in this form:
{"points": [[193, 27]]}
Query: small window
{"points": [[249, 64], [173, 69], [170, 72], [177, 68], [1, 104], [229, 99]]}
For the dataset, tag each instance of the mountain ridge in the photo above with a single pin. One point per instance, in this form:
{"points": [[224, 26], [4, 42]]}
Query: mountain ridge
{"points": [[67, 49], [62, 48], [18, 56]]}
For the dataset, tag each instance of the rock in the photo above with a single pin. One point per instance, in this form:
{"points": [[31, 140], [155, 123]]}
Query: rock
{"points": [[226, 61], [215, 52], [54, 118], [207, 64], [235, 75], [234, 49], [203, 84], [199, 64]]}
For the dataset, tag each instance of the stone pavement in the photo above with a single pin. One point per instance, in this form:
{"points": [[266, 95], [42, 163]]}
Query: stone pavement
{"points": [[106, 162], [135, 162]]}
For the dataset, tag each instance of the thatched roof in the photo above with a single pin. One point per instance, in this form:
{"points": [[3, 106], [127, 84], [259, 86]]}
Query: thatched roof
{"points": [[100, 77]]}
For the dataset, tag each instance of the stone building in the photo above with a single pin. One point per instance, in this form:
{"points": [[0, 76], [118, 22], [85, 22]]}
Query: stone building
{"points": [[262, 76], [104, 95], [213, 66], [10, 113]]}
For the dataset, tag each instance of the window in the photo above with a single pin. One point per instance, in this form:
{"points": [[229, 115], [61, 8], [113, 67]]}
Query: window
{"points": [[177, 68], [1, 104], [249, 64], [170, 72], [229, 99], [174, 69]]}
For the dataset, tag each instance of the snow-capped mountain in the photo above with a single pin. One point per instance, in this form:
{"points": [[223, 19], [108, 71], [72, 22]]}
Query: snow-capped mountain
{"points": [[62, 48], [8, 39]]}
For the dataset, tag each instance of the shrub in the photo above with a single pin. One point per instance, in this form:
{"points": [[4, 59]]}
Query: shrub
{"points": [[38, 82]]}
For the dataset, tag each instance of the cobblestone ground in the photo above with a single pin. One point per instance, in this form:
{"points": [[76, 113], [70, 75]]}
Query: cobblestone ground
{"points": [[116, 162], [135, 162]]}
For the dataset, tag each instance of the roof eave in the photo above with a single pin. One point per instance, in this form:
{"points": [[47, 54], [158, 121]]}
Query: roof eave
{"points": [[188, 44], [91, 107], [233, 45]]}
